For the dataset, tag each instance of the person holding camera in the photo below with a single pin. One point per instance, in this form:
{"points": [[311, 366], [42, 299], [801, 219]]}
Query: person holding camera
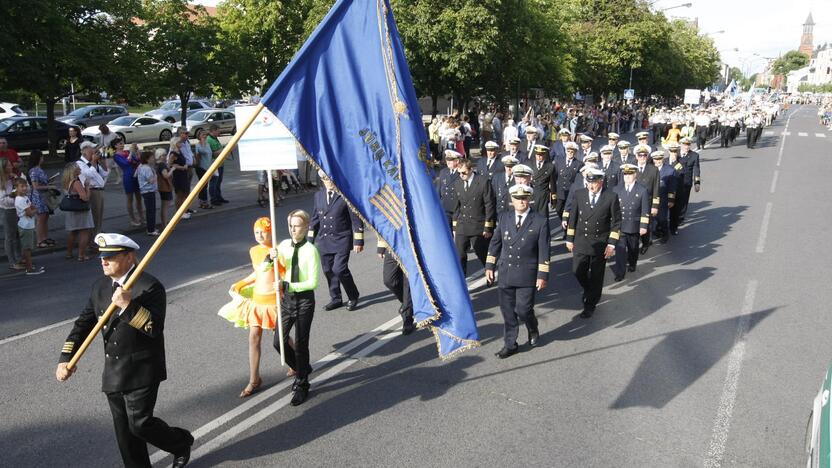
{"points": [[94, 169]]}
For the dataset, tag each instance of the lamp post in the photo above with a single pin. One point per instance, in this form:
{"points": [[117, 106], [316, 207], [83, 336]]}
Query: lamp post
{"points": [[683, 5]]}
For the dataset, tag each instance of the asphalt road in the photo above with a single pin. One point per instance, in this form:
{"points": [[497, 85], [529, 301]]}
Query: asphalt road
{"points": [[709, 355]]}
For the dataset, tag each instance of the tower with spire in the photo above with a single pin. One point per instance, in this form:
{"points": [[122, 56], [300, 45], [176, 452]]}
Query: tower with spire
{"points": [[806, 40]]}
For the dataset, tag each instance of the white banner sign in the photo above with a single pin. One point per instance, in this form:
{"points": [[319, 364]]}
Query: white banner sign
{"points": [[267, 144], [692, 96]]}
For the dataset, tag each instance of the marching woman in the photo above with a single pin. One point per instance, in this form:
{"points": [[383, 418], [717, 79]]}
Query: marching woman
{"points": [[254, 301]]}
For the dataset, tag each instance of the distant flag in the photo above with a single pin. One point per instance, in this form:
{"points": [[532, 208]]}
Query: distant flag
{"points": [[733, 89], [348, 98]]}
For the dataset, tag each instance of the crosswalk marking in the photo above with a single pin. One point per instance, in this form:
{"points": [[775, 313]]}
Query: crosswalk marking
{"points": [[787, 133], [769, 133], [802, 134], [820, 135]]}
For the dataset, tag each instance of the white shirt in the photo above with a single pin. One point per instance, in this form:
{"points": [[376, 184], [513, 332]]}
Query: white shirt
{"points": [[20, 204], [522, 216], [186, 151], [96, 175]]}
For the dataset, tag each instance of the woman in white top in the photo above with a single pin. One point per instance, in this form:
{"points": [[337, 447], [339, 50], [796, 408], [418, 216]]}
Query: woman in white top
{"points": [[508, 133]]}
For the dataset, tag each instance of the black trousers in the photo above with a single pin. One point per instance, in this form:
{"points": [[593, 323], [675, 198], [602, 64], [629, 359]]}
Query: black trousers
{"points": [[626, 253], [478, 243], [677, 213], [724, 136], [701, 136], [750, 137], [516, 305], [298, 310], [589, 270], [136, 426], [396, 282], [337, 272], [660, 222]]}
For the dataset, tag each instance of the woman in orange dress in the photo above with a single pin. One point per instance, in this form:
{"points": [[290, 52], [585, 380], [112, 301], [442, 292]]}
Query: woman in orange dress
{"points": [[254, 305]]}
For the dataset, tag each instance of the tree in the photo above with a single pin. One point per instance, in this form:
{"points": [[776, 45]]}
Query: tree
{"points": [[49, 46], [182, 46], [257, 40], [735, 74], [792, 60]]}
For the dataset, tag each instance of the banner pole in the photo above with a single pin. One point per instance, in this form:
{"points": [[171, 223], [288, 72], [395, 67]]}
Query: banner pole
{"points": [[160, 241], [279, 316]]}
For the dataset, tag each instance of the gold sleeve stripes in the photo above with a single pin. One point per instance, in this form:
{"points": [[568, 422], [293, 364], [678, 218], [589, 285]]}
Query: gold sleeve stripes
{"points": [[490, 259], [381, 244], [570, 232], [543, 267], [142, 320], [614, 235], [655, 200], [358, 235], [490, 224], [644, 220], [671, 196], [68, 347]]}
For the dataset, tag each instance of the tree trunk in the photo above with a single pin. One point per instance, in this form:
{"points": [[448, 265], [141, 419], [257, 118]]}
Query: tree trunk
{"points": [[434, 99], [50, 126], [184, 97]]}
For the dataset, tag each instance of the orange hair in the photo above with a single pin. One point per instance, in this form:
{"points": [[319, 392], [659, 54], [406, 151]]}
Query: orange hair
{"points": [[263, 223]]}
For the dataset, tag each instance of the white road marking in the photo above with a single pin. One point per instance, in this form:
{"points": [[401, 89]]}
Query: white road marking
{"points": [[787, 133], [265, 395], [774, 181], [259, 416], [761, 241], [68, 321], [820, 135], [783, 140], [768, 133], [722, 423], [802, 134]]}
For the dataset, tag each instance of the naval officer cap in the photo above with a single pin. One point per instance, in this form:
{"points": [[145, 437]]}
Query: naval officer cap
{"points": [[623, 144], [593, 175], [491, 145], [451, 154], [629, 168], [514, 141], [571, 145], [586, 139], [520, 191], [641, 135], [110, 244], [531, 129], [564, 131], [522, 170], [642, 149], [591, 157], [686, 141], [607, 149], [673, 146], [588, 166], [540, 149], [613, 136], [657, 154], [509, 161]]}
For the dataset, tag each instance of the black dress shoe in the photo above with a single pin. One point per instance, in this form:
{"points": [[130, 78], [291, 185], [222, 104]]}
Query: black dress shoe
{"points": [[408, 328], [506, 352], [587, 313], [631, 268], [352, 304], [644, 249], [182, 459], [619, 278], [300, 395], [533, 339], [674, 232], [333, 305]]}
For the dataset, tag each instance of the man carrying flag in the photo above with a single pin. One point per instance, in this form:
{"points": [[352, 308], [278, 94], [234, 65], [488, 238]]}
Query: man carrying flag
{"points": [[348, 99]]}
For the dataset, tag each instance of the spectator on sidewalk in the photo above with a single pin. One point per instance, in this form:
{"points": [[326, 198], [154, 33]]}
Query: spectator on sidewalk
{"points": [[11, 243], [72, 149], [216, 148], [94, 169], [78, 224], [182, 143], [40, 192], [204, 158], [11, 156], [163, 180], [107, 151], [128, 161], [179, 168], [26, 225], [146, 180]]}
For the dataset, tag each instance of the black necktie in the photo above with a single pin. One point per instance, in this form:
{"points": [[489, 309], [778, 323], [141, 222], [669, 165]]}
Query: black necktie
{"points": [[490, 162], [295, 270], [592, 201], [329, 197], [115, 286], [539, 165], [519, 221]]}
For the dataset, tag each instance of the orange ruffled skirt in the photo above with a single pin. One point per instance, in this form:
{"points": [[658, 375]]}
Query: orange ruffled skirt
{"points": [[249, 310]]}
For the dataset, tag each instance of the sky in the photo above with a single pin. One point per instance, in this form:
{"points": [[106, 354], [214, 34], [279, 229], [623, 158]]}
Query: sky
{"points": [[765, 27]]}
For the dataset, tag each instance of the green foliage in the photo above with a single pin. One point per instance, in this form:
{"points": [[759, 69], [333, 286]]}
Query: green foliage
{"points": [[181, 46], [792, 60], [810, 88], [748, 83], [735, 74]]}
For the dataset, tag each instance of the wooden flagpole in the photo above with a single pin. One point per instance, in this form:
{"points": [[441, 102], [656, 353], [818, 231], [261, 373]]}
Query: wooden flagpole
{"points": [[270, 182], [160, 241]]}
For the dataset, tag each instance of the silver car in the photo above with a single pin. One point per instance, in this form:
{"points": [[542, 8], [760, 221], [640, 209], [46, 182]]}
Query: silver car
{"points": [[171, 111], [204, 119], [93, 116]]}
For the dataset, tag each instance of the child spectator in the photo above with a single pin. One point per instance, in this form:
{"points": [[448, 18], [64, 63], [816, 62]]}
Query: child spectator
{"points": [[26, 225], [146, 177], [163, 181]]}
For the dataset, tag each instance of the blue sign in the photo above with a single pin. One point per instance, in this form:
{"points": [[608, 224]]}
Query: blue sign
{"points": [[629, 94]]}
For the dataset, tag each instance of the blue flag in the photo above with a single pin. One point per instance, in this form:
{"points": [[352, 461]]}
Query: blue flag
{"points": [[348, 99]]}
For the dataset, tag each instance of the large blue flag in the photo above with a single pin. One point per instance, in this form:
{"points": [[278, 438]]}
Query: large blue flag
{"points": [[348, 99]]}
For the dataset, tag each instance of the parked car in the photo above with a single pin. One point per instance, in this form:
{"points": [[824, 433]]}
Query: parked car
{"points": [[93, 116], [202, 120], [171, 111], [819, 427], [28, 133], [10, 109], [134, 129]]}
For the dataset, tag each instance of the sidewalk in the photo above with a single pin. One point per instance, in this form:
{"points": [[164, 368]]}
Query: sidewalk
{"points": [[239, 188]]}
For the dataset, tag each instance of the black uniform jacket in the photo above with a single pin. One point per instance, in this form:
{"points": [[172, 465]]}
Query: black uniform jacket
{"points": [[445, 187], [543, 183], [564, 174], [592, 229], [521, 256], [333, 227], [635, 208], [475, 212], [134, 343], [500, 187], [690, 167], [483, 169], [612, 174], [649, 178]]}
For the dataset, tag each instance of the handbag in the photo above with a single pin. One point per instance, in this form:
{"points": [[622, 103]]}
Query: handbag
{"points": [[73, 202], [52, 198]]}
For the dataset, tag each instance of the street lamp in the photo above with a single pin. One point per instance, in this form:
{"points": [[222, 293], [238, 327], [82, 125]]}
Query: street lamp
{"points": [[713, 33], [683, 5]]}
